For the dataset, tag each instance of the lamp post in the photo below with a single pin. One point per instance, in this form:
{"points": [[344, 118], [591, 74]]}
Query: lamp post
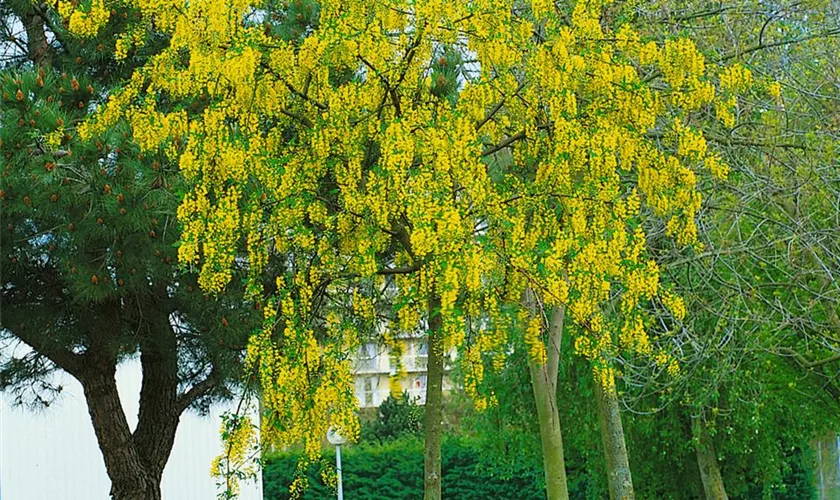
{"points": [[337, 440]]}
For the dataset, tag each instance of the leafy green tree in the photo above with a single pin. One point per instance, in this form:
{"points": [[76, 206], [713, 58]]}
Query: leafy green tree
{"points": [[762, 293]]}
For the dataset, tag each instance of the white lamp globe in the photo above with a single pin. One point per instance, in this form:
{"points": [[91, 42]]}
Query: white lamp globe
{"points": [[335, 438]]}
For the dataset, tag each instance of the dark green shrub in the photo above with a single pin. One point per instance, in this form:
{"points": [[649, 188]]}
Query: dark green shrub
{"points": [[394, 471], [395, 418]]}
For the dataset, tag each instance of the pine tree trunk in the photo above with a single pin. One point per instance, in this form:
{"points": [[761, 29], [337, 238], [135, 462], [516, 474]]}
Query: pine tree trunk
{"points": [[434, 403], [544, 383], [707, 461], [612, 435], [125, 467], [36, 39], [159, 412], [135, 460]]}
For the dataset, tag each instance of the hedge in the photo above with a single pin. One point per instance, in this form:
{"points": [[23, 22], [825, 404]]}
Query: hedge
{"points": [[394, 471]]}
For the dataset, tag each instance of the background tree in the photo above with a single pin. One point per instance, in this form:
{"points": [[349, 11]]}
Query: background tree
{"points": [[763, 285]]}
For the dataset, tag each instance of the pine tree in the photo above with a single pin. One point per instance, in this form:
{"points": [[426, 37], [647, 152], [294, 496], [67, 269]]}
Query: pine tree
{"points": [[88, 247]]}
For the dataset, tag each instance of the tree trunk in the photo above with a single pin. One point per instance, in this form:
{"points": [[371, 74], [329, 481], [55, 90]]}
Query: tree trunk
{"points": [[544, 383], [434, 402], [36, 40], [129, 478], [159, 412], [612, 435], [135, 461], [707, 461]]}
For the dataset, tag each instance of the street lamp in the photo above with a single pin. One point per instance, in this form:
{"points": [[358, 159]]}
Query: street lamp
{"points": [[337, 440]]}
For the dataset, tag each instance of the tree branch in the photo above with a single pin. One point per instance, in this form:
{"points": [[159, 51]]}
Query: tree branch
{"points": [[804, 363], [196, 391], [502, 145]]}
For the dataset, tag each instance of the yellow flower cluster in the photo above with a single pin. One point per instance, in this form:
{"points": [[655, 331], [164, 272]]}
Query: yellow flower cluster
{"points": [[221, 232], [127, 41], [363, 306], [735, 79], [151, 128], [533, 339], [675, 304], [239, 436], [605, 376], [54, 138], [115, 108], [725, 111], [775, 91], [473, 374], [690, 143], [81, 23], [634, 337], [193, 203], [717, 166]]}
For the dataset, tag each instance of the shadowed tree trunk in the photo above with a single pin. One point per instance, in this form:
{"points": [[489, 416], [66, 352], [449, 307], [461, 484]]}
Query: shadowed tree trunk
{"points": [[159, 411], [612, 435], [707, 461], [544, 382], [434, 402], [129, 477], [135, 460], [36, 39]]}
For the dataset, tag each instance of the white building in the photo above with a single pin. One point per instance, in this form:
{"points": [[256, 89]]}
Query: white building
{"points": [[53, 454], [375, 365]]}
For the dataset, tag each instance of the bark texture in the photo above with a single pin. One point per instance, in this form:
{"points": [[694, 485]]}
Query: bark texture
{"points": [[704, 448], [36, 39], [615, 449], [434, 403]]}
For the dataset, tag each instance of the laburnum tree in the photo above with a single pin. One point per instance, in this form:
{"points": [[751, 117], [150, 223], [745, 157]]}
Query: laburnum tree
{"points": [[487, 163], [756, 305], [89, 267]]}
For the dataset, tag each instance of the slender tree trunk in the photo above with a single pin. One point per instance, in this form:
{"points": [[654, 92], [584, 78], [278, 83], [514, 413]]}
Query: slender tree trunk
{"points": [[612, 435], [707, 461], [544, 383], [434, 402]]}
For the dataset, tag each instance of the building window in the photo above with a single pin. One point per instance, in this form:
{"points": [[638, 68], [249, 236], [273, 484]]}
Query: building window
{"points": [[369, 391], [417, 391], [367, 358], [417, 356], [422, 359]]}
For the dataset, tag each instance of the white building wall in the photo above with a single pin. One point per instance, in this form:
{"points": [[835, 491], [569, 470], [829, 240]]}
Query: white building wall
{"points": [[53, 455]]}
